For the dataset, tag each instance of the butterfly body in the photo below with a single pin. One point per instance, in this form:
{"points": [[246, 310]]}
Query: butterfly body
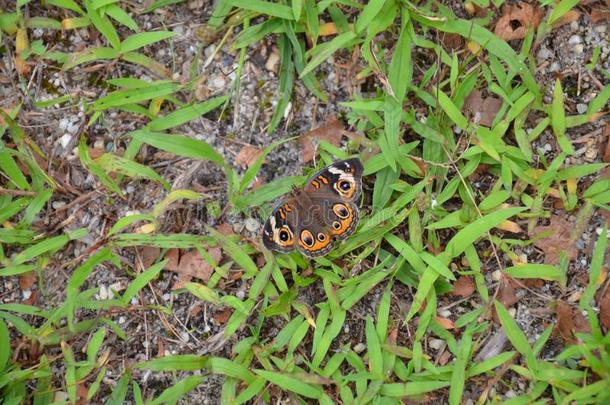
{"points": [[311, 219]]}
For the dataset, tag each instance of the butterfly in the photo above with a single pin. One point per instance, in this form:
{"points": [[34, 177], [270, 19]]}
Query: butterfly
{"points": [[312, 218]]}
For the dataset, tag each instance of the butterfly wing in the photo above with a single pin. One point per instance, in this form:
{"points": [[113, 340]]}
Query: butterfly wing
{"points": [[280, 228], [342, 178]]}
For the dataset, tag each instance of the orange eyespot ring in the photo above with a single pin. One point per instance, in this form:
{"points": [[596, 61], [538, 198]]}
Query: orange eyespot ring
{"points": [[341, 211], [344, 185], [284, 235], [307, 238], [336, 225]]}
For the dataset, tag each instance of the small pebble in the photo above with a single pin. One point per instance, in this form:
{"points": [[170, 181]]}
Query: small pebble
{"points": [[166, 297], [574, 39], [252, 225], [445, 313], [58, 204], [122, 320], [512, 312], [359, 348], [65, 140], [436, 344], [26, 294], [510, 394], [240, 294], [496, 275], [581, 108], [579, 48]]}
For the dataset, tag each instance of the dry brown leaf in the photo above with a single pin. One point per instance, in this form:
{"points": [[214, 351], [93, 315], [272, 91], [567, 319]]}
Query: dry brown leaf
{"points": [[327, 29], [247, 156], [600, 14], [331, 131], [149, 255], [567, 18], [604, 308], [570, 321], [507, 294], [173, 256], [225, 229], [463, 287], [606, 135], [221, 317], [26, 280], [510, 226], [484, 110], [445, 323], [192, 265], [516, 20], [558, 240], [81, 394], [452, 41]]}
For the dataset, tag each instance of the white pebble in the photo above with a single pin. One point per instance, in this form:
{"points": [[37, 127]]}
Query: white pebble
{"points": [[27, 294], [436, 344], [574, 39], [579, 48], [252, 225], [166, 297], [581, 108], [122, 320], [445, 313], [512, 312], [240, 294], [359, 347], [65, 140], [496, 275]]}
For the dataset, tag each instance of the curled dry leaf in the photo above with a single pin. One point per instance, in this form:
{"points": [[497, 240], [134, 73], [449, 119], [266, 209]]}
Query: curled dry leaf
{"points": [[516, 20], [507, 293], [445, 323], [483, 109], [192, 265], [510, 226], [463, 287], [604, 307], [331, 131], [247, 156], [558, 240], [570, 321], [600, 14], [567, 18]]}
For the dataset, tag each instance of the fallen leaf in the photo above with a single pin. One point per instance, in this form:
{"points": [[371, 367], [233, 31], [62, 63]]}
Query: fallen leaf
{"points": [[149, 255], [558, 240], [452, 41], [567, 18], [221, 317], [26, 280], [604, 308], [174, 258], [510, 226], [484, 110], [192, 265], [225, 229], [507, 294], [247, 156], [516, 20], [599, 14], [331, 131], [606, 135], [327, 29], [81, 394], [570, 321], [445, 323], [463, 287]]}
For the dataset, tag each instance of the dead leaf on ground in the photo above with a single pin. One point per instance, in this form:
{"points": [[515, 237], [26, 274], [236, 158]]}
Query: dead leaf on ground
{"points": [[221, 317], [507, 293], [331, 131], [516, 20], [225, 229], [173, 256], [510, 226], [567, 18], [604, 308], [600, 14], [445, 323], [149, 255], [484, 110], [558, 240], [452, 40], [606, 136], [27, 280], [247, 156], [463, 287], [570, 321], [192, 265]]}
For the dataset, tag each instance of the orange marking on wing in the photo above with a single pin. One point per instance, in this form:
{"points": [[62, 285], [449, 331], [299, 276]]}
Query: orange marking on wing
{"points": [[315, 184], [318, 245], [287, 208], [324, 179], [282, 215], [345, 223]]}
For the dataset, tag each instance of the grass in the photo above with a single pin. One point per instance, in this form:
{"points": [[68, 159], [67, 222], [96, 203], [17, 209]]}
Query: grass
{"points": [[428, 223]]}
